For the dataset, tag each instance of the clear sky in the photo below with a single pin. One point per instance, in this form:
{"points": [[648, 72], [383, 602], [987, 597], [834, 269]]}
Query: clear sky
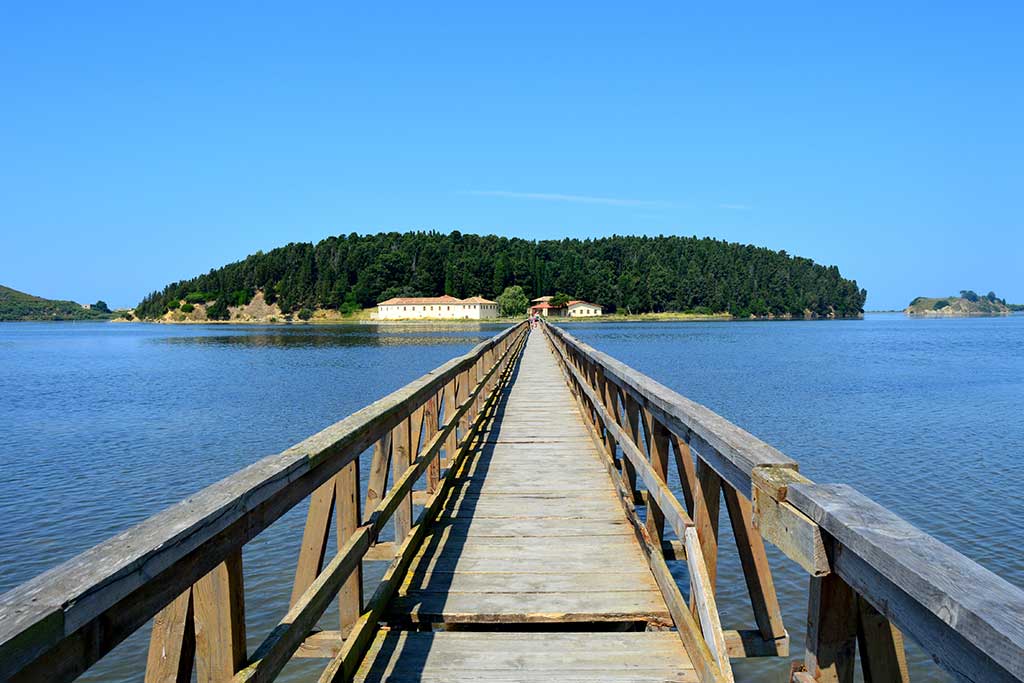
{"points": [[146, 142]]}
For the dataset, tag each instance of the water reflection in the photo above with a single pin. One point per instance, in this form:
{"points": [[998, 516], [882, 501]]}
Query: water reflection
{"points": [[336, 336]]}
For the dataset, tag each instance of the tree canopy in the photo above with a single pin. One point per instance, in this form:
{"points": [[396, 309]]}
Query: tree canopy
{"points": [[513, 302], [626, 273]]}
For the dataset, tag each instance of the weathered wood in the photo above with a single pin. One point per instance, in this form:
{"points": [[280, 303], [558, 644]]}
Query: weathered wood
{"points": [[350, 596], [380, 465], [750, 643], [219, 602], [401, 459], [882, 657], [656, 438], [314, 538], [172, 644], [67, 618], [792, 532], [968, 618], [831, 630], [707, 500], [527, 657], [686, 469], [756, 570], [343, 665], [679, 414], [703, 596], [429, 430]]}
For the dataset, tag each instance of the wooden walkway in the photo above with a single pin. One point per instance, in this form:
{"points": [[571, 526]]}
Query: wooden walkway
{"points": [[534, 527], [532, 535]]}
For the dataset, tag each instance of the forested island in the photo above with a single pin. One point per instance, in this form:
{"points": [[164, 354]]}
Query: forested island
{"points": [[967, 304], [19, 306], [628, 274]]}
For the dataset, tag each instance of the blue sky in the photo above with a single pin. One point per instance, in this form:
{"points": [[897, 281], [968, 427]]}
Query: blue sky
{"points": [[145, 142]]}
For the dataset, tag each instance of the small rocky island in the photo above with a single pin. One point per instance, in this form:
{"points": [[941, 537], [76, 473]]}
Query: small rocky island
{"points": [[968, 303]]}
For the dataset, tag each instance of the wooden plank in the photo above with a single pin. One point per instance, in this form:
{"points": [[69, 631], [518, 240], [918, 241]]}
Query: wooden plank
{"points": [[172, 644], [707, 499], [314, 538], [656, 438], [67, 618], [343, 665], [703, 596], [350, 596], [401, 459], [679, 414], [831, 630], [966, 617], [754, 560], [219, 601], [454, 655], [792, 532], [377, 481], [882, 657]]}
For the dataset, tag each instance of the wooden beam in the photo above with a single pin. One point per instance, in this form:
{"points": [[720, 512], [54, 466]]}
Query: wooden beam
{"points": [[172, 643], [65, 619], [756, 570], [966, 617], [882, 658], [401, 459], [792, 532], [656, 437], [831, 630], [314, 538], [350, 596], [703, 596], [220, 622]]}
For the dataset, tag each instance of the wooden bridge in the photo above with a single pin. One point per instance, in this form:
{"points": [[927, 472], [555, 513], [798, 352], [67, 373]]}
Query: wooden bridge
{"points": [[534, 528]]}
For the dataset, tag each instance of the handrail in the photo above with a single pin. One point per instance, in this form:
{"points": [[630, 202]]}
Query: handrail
{"points": [[62, 621], [872, 574]]}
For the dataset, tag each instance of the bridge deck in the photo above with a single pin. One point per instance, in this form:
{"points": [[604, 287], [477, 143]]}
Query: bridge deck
{"points": [[533, 534]]}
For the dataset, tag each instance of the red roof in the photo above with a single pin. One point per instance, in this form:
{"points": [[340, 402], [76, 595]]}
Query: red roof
{"points": [[544, 305], [418, 300], [433, 300]]}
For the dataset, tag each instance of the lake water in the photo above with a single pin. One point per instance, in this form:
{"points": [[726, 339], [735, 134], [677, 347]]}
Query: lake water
{"points": [[102, 425]]}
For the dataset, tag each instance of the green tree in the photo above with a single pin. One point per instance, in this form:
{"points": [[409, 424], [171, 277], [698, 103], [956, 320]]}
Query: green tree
{"points": [[513, 302], [101, 306], [218, 310]]}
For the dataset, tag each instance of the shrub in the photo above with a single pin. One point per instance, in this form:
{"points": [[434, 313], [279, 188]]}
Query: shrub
{"points": [[101, 306], [940, 304], [513, 302], [305, 314], [218, 310], [173, 304], [198, 297], [187, 307]]}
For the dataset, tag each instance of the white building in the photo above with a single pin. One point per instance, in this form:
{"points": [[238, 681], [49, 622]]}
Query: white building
{"points": [[582, 309], [437, 308]]}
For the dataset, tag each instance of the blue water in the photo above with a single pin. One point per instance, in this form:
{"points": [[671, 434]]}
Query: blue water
{"points": [[105, 424]]}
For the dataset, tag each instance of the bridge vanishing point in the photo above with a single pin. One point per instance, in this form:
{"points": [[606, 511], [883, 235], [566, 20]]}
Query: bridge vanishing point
{"points": [[534, 528]]}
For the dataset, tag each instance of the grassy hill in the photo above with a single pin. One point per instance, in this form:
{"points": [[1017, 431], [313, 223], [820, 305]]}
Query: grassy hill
{"points": [[15, 305], [957, 306]]}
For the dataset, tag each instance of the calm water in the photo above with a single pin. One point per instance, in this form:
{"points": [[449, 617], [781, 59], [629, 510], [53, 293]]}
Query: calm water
{"points": [[103, 425]]}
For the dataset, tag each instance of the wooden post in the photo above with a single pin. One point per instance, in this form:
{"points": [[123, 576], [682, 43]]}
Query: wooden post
{"points": [[401, 458], [172, 644], [449, 410], [429, 430], [831, 630], [220, 621], [687, 470], [657, 447], [882, 658], [350, 596], [378, 481], [706, 508], [754, 560], [632, 410]]}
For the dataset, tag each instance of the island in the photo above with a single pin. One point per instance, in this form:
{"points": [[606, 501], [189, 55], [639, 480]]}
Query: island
{"points": [[350, 277], [969, 303], [19, 306]]}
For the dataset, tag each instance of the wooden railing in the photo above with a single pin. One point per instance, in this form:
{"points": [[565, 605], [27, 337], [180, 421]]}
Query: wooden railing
{"points": [[873, 576], [184, 565]]}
